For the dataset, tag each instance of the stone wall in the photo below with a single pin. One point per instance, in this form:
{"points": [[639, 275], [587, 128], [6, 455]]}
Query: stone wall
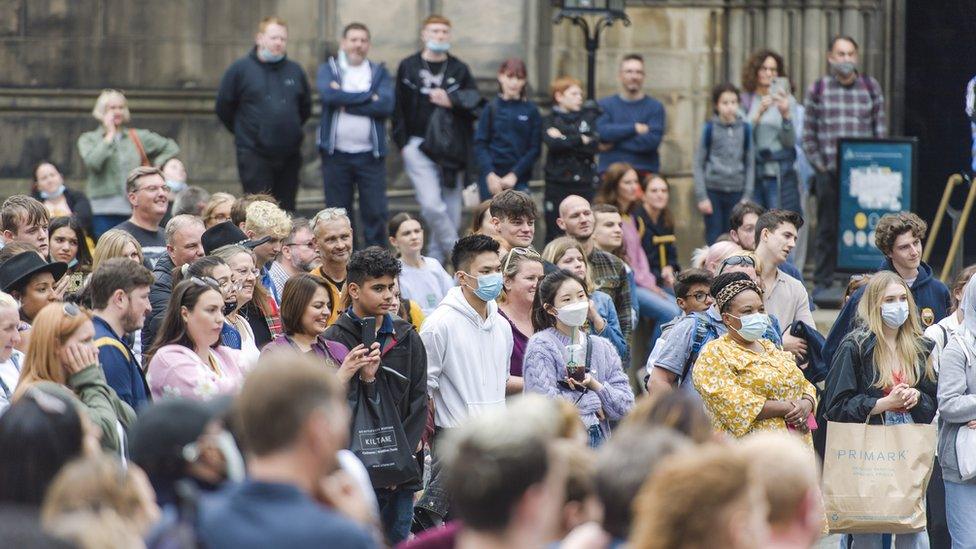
{"points": [[169, 57]]}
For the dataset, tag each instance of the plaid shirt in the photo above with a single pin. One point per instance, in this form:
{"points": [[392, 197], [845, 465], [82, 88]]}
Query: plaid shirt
{"points": [[834, 111], [609, 274], [274, 321]]}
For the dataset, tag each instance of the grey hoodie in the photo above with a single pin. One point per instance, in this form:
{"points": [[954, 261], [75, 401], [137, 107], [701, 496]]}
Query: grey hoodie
{"points": [[957, 398], [730, 164]]}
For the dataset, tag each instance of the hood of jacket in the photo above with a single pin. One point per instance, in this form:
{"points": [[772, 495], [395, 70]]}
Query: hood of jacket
{"points": [[455, 300]]}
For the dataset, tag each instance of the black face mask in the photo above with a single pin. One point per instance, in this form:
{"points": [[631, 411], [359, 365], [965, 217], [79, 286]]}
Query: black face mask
{"points": [[229, 307]]}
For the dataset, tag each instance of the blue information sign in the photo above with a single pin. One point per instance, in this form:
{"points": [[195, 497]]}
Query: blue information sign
{"points": [[877, 176]]}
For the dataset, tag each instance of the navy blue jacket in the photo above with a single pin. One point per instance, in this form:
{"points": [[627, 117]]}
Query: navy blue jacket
{"points": [[122, 371], [928, 291], [616, 126], [376, 103], [257, 515], [265, 104], [508, 138]]}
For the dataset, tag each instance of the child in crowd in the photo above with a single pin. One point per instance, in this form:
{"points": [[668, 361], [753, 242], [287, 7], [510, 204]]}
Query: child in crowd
{"points": [[724, 162], [571, 139]]}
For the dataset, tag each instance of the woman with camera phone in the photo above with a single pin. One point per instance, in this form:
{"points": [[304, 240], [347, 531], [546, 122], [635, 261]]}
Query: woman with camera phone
{"points": [[562, 361]]}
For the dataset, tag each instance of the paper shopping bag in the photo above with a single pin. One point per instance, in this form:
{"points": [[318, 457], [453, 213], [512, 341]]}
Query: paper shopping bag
{"points": [[875, 477]]}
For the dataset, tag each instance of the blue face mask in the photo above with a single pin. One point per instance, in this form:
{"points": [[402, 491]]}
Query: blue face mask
{"points": [[489, 286], [265, 55], [438, 47], [175, 186], [55, 194], [753, 326]]}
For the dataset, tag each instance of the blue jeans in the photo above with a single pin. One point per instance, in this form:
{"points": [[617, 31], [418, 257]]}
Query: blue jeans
{"points": [[769, 195], [102, 223], [396, 513], [656, 307], [918, 540], [718, 222], [343, 174], [960, 501]]}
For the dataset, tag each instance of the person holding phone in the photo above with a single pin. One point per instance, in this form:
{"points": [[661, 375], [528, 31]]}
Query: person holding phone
{"points": [[562, 361], [396, 376], [772, 111]]}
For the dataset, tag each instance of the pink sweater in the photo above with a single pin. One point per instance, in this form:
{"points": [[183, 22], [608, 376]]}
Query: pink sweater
{"points": [[636, 257], [176, 371]]}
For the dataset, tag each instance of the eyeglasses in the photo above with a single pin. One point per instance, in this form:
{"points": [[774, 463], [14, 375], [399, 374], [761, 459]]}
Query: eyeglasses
{"points": [[527, 252], [47, 403], [310, 245], [23, 327], [737, 260], [245, 271], [700, 297], [152, 188]]}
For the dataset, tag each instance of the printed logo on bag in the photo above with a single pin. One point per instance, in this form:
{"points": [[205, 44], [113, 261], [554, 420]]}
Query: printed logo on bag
{"points": [[867, 455], [928, 316], [377, 441]]}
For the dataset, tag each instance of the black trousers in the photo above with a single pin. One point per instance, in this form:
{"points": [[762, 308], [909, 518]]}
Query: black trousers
{"points": [[276, 175], [826, 188]]}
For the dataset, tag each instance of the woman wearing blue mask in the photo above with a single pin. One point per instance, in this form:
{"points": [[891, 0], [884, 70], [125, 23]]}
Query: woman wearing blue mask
{"points": [[58, 199], [563, 361], [882, 374], [746, 383]]}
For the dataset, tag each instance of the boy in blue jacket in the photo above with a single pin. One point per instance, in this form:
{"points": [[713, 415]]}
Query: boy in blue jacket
{"points": [[899, 237]]}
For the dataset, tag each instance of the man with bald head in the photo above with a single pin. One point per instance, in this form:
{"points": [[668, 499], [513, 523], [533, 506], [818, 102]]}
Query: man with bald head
{"points": [[609, 273]]}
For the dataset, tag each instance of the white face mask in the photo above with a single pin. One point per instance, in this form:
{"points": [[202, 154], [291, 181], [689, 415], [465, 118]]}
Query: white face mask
{"points": [[573, 314], [894, 314]]}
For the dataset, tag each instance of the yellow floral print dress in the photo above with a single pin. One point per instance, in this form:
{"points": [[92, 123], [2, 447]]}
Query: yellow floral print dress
{"points": [[735, 383]]}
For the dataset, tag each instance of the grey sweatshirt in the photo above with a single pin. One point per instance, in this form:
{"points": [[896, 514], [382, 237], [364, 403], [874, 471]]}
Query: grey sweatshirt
{"points": [[730, 164], [957, 399]]}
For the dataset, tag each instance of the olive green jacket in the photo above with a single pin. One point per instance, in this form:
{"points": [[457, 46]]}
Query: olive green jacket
{"points": [[108, 164]]}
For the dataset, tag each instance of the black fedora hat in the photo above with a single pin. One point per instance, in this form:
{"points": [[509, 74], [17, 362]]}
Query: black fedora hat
{"points": [[16, 271], [226, 233]]}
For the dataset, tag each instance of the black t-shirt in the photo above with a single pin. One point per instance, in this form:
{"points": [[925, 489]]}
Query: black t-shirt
{"points": [[153, 243], [430, 75]]}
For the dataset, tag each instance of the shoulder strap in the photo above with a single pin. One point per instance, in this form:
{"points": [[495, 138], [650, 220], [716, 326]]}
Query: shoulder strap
{"points": [[698, 340], [746, 137], [707, 132], [945, 335], [143, 159], [589, 351], [112, 342]]}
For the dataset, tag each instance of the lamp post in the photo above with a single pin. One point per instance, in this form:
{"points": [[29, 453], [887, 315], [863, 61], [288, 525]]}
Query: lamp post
{"points": [[606, 12]]}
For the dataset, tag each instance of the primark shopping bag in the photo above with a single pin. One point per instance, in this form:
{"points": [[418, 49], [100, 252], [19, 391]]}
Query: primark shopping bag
{"points": [[875, 477]]}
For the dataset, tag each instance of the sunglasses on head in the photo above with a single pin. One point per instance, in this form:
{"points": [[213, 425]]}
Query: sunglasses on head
{"points": [[527, 252], [205, 281], [737, 260]]}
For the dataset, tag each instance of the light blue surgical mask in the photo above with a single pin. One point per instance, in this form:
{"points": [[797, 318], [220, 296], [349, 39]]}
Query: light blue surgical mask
{"points": [[175, 186], [753, 326], [55, 194], [489, 286], [264, 54], [438, 47], [894, 314]]}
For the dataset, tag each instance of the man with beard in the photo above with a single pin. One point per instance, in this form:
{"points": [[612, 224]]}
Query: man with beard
{"points": [[299, 254], [149, 197], [120, 299], [333, 238], [632, 123]]}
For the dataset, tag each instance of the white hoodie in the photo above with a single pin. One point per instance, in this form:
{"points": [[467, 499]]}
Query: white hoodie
{"points": [[467, 359]]}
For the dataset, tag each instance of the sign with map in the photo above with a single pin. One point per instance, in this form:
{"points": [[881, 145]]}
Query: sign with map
{"points": [[877, 176]]}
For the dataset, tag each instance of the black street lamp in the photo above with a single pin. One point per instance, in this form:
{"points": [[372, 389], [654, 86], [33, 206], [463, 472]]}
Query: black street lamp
{"points": [[606, 11]]}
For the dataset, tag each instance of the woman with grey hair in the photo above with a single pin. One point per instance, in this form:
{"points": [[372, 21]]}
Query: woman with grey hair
{"points": [[110, 152], [957, 422]]}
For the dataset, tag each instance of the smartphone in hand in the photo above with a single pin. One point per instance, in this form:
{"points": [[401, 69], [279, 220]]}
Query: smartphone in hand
{"points": [[369, 331], [780, 84]]}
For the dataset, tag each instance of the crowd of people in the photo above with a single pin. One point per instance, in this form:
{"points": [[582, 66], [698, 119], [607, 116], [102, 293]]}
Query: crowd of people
{"points": [[181, 369]]}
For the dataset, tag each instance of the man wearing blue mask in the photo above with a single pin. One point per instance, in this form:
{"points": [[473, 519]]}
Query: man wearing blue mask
{"points": [[264, 98], [469, 349], [357, 98], [436, 104]]}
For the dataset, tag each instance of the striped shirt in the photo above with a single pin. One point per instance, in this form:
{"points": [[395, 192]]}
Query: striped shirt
{"points": [[834, 110]]}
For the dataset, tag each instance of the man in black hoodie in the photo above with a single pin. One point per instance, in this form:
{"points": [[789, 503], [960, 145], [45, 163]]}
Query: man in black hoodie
{"points": [[264, 99], [390, 398], [430, 85]]}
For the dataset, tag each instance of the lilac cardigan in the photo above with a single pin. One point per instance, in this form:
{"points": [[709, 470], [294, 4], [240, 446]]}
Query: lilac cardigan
{"points": [[544, 365]]}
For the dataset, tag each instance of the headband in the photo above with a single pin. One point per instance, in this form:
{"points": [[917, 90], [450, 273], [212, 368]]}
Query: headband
{"points": [[729, 292]]}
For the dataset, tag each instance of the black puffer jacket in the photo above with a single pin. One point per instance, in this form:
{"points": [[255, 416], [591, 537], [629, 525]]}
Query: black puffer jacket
{"points": [[570, 163]]}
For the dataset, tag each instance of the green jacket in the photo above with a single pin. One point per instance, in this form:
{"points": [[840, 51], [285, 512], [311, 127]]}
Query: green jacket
{"points": [[108, 164], [103, 406]]}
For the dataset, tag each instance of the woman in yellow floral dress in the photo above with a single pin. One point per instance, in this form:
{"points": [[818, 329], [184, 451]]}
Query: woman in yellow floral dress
{"points": [[746, 383]]}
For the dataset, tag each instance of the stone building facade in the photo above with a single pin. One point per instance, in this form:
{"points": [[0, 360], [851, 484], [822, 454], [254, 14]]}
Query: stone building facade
{"points": [[169, 56]]}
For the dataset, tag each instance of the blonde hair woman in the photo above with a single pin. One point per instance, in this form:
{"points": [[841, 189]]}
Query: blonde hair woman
{"points": [[116, 243], [110, 152], [217, 209], [882, 373], [62, 357], [567, 253]]}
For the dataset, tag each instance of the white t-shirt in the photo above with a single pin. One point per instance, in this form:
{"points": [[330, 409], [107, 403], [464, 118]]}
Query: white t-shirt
{"points": [[425, 286], [9, 375], [353, 131]]}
